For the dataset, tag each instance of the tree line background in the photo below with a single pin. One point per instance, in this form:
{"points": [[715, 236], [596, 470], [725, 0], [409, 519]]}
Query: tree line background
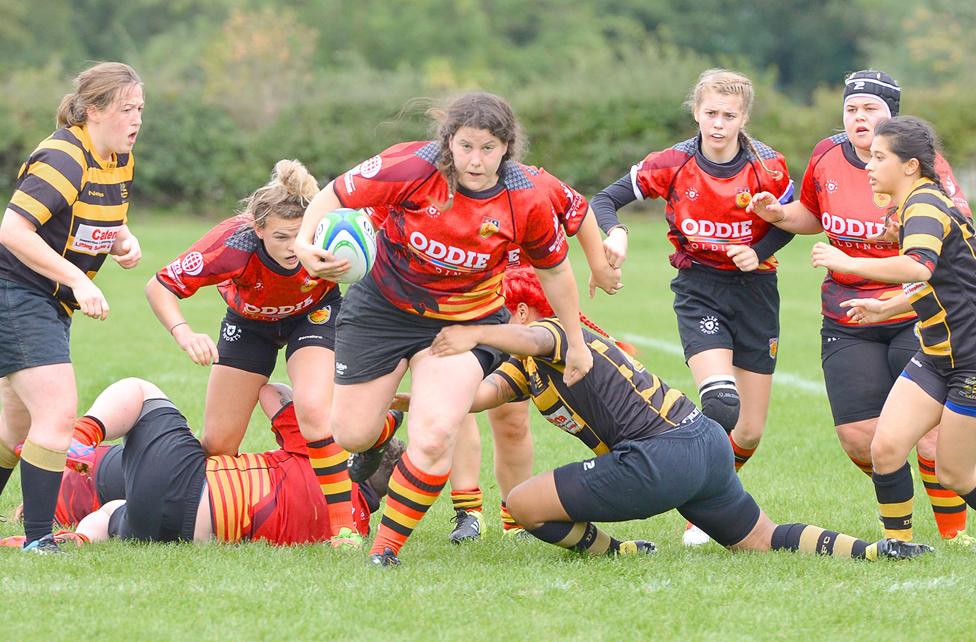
{"points": [[233, 86]]}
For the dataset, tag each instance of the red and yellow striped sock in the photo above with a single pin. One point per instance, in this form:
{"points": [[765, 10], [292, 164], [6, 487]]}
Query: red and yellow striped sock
{"points": [[948, 507], [411, 493], [390, 426], [865, 466], [742, 455], [89, 430], [328, 460], [467, 499], [508, 522]]}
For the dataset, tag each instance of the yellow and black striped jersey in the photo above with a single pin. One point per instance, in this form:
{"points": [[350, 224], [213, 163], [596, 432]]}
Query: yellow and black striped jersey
{"points": [[77, 202], [618, 400], [940, 237]]}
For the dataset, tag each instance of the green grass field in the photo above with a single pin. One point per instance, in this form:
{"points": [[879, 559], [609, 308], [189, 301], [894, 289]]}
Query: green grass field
{"points": [[496, 589]]}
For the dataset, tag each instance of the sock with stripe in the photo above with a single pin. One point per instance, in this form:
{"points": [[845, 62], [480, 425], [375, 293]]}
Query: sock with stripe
{"points": [[813, 539], [896, 498], [8, 461], [40, 480], [582, 537], [970, 498], [865, 466], [467, 500], [89, 430], [948, 507], [411, 493], [389, 429], [328, 460], [742, 455], [508, 522]]}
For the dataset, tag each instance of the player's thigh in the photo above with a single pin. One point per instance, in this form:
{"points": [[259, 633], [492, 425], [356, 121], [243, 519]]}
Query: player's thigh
{"points": [[909, 412], [310, 370], [232, 395], [359, 409], [857, 373], [708, 363], [956, 451], [15, 418], [51, 399]]}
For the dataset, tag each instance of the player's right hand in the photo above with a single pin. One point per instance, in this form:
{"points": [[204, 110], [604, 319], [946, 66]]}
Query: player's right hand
{"points": [[320, 263], [865, 310], [199, 346], [90, 299], [615, 247]]}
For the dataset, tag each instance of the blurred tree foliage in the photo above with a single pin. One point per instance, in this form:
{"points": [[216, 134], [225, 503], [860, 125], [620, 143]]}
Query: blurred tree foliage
{"points": [[233, 85]]}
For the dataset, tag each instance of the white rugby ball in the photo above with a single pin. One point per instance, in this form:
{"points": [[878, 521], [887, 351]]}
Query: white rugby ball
{"points": [[348, 234]]}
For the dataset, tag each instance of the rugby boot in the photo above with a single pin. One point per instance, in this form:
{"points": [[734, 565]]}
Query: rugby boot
{"points": [[468, 526], [385, 559], [636, 546], [363, 465], [896, 549]]}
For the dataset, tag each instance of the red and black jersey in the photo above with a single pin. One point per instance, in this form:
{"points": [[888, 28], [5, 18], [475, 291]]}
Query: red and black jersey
{"points": [[274, 496], [253, 284], [836, 190], [447, 262], [706, 201]]}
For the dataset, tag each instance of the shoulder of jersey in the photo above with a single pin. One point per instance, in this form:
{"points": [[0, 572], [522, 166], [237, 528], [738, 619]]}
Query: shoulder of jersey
{"points": [[829, 143], [764, 151], [403, 161], [237, 235], [673, 156], [517, 176]]}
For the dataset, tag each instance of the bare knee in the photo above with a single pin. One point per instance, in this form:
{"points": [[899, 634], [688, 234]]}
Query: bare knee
{"points": [[959, 479], [887, 454], [519, 504], [855, 438], [433, 440]]}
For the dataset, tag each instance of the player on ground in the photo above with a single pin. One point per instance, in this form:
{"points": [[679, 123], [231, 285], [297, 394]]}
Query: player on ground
{"points": [[655, 450], [837, 199], [726, 298], [272, 303], [456, 204], [68, 212], [936, 264], [160, 486]]}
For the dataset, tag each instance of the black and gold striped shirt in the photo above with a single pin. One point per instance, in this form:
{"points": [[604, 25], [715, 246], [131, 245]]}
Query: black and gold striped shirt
{"points": [[938, 235], [618, 400], [76, 200]]}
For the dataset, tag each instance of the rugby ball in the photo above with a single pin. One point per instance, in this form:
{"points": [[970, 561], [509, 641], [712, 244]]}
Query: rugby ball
{"points": [[348, 234]]}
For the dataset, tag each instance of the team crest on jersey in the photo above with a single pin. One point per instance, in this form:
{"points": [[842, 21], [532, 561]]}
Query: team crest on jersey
{"points": [[309, 284], [708, 325], [831, 185], [123, 191], [691, 193], [742, 197], [882, 200], [320, 316], [773, 347], [488, 227], [231, 332]]}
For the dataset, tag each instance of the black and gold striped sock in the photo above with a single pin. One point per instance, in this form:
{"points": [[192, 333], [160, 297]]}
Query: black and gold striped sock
{"points": [[8, 461], [948, 507], [467, 500], [583, 537], [813, 539], [896, 499], [40, 479]]}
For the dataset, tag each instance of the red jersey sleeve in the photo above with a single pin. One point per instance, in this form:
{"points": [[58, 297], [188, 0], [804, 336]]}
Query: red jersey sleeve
{"points": [[653, 176], [209, 261], [389, 178], [544, 239], [951, 186], [808, 190]]}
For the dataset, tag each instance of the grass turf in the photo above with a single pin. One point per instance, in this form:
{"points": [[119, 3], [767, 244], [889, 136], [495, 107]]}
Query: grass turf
{"points": [[495, 588]]}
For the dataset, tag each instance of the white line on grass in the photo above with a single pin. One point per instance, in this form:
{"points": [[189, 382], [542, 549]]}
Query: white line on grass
{"points": [[787, 379]]}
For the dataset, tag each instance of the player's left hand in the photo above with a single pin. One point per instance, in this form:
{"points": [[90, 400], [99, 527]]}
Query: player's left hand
{"points": [[454, 339], [828, 256], [744, 257], [607, 278], [127, 252], [579, 360]]}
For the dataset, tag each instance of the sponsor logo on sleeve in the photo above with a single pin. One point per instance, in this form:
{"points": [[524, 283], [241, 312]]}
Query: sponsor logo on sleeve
{"points": [[192, 264]]}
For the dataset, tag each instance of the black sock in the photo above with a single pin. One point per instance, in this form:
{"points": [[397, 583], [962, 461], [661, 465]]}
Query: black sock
{"points": [[41, 488], [970, 498]]}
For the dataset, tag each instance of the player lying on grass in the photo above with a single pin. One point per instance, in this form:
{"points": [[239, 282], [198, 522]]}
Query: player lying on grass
{"points": [[177, 493], [655, 449]]}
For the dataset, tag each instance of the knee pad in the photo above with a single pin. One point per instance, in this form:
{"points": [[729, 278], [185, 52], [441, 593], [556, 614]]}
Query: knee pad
{"points": [[720, 400]]}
